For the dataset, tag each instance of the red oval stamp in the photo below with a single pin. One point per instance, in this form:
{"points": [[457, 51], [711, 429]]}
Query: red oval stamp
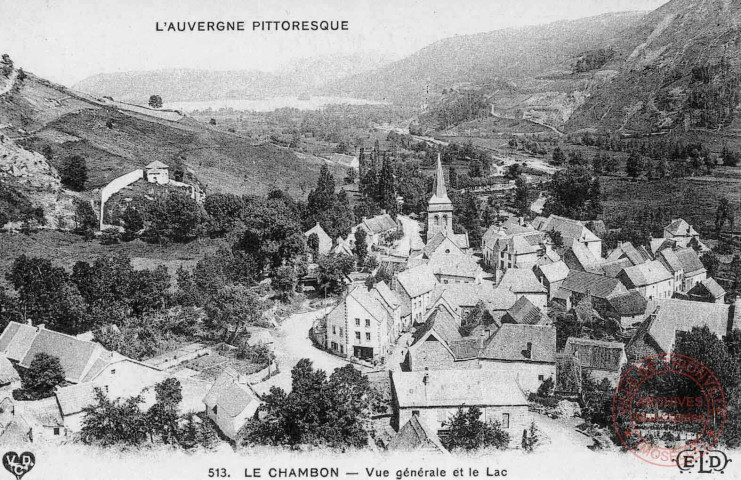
{"points": [[668, 404]]}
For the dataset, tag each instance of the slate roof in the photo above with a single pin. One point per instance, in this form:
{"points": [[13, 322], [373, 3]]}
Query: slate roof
{"points": [[442, 324], [628, 304], [415, 436], [445, 388], [597, 355], [231, 397], [670, 260], [379, 224], [681, 228], [521, 280], [690, 261], [627, 250], [554, 272], [647, 273], [570, 229], [440, 194], [523, 312], [469, 294], [325, 241], [8, 373], [598, 286], [74, 398], [417, 280], [75, 355], [668, 316], [455, 265], [156, 164], [613, 268], [510, 342], [584, 258], [375, 303], [711, 286], [16, 339]]}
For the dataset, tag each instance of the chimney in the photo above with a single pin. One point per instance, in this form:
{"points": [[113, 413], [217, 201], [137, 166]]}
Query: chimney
{"points": [[528, 353]]}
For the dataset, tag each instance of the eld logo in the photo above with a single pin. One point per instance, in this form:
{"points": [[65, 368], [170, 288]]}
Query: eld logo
{"points": [[19, 465], [707, 461]]}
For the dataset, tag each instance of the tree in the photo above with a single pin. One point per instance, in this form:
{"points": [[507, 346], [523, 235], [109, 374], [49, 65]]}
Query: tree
{"points": [[468, 216], [313, 244], [361, 245], [453, 178], [351, 176], [477, 316], [466, 431], [176, 216], [233, 308], [573, 193], [155, 101], [86, 222], [284, 280], [333, 269], [387, 188], [73, 173], [133, 223], [633, 165], [710, 262], [43, 375], [723, 213], [522, 204], [111, 422], [558, 158], [162, 417], [318, 411]]}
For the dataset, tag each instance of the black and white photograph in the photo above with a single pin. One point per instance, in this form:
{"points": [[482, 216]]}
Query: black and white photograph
{"points": [[365, 240]]}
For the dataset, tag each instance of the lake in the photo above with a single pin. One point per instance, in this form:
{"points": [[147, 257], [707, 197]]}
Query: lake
{"points": [[268, 104]]}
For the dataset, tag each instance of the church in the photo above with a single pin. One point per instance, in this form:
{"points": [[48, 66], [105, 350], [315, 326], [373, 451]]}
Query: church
{"points": [[440, 235]]}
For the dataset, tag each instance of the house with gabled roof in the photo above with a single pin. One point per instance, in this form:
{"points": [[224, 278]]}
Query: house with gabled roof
{"points": [[438, 344], [528, 352], [231, 402], [681, 232], [571, 231], [455, 268], [464, 297], [157, 172], [665, 318], [435, 396], [9, 377], [414, 288], [651, 279], [707, 290], [551, 276], [446, 242], [578, 257], [626, 250], [693, 270], [579, 284], [599, 359], [378, 226], [517, 247], [325, 241], [524, 312], [626, 308], [365, 324], [414, 436], [523, 283]]}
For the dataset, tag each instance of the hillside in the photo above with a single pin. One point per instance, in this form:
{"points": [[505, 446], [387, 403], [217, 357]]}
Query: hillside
{"points": [[299, 77], [519, 55], [678, 67]]}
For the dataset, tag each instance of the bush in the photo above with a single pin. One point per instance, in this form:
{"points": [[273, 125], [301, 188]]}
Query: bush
{"points": [[73, 173], [43, 375]]}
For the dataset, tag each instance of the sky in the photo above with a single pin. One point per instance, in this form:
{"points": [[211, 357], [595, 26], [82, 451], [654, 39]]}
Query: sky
{"points": [[69, 40]]}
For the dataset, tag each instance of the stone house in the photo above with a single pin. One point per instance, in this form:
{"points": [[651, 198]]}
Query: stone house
{"points": [[325, 241], [551, 276], [571, 231], [414, 288], [579, 284], [231, 402], [157, 172], [524, 283], [651, 279], [597, 358], [707, 290]]}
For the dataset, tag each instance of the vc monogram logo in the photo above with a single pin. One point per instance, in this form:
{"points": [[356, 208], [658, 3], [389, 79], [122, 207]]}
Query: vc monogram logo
{"points": [[704, 461], [18, 465]]}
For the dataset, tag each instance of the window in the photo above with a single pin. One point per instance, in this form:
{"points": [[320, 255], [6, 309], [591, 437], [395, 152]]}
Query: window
{"points": [[437, 220], [215, 409], [357, 322], [367, 336], [56, 430], [540, 378], [357, 335], [367, 322], [415, 413], [106, 389], [341, 332], [334, 330], [505, 420]]}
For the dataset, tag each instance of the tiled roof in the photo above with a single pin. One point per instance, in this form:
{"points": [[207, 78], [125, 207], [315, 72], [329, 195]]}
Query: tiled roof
{"points": [[598, 286], [523, 312], [647, 273], [690, 261], [628, 304], [417, 280], [671, 315], [596, 355], [156, 164], [446, 388], [521, 280], [230, 396], [509, 343], [16, 340], [76, 356], [554, 272], [415, 436]]}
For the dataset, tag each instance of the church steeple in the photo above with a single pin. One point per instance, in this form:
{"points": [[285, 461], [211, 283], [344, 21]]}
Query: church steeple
{"points": [[441, 193], [440, 208]]}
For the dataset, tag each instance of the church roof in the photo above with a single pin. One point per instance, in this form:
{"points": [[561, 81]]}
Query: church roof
{"points": [[440, 194]]}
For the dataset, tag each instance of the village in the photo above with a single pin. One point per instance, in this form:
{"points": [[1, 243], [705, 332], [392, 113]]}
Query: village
{"points": [[436, 326]]}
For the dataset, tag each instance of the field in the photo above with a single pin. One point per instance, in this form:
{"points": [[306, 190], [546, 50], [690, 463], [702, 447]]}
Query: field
{"points": [[65, 249]]}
